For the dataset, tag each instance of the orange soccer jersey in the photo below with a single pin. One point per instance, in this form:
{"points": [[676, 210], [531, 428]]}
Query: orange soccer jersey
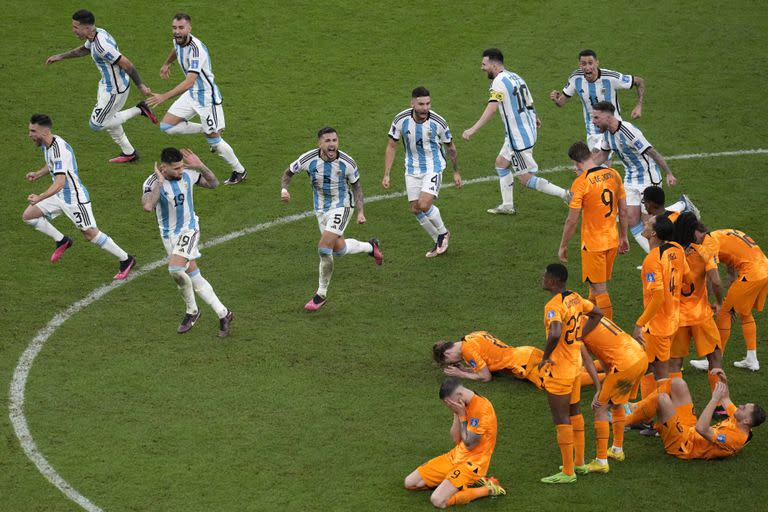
{"points": [[481, 349], [481, 420], [609, 343], [739, 251], [597, 192], [663, 269], [567, 308], [694, 300], [681, 439]]}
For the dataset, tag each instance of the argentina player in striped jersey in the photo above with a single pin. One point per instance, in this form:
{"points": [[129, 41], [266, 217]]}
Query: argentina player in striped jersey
{"points": [[336, 191], [66, 195], [509, 95], [424, 133], [594, 84], [169, 193], [114, 86], [197, 94]]}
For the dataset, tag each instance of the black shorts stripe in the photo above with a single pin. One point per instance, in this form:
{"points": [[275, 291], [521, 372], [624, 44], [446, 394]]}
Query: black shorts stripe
{"points": [[107, 109]]}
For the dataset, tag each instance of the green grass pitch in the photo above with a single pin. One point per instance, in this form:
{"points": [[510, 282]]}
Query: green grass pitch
{"points": [[330, 411]]}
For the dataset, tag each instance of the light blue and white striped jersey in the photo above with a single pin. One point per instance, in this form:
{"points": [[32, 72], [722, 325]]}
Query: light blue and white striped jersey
{"points": [[423, 142], [605, 88], [60, 159], [516, 109], [629, 143], [194, 58], [176, 208], [105, 54], [330, 180]]}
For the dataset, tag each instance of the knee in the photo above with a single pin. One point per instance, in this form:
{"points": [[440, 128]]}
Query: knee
{"points": [[438, 501], [95, 127], [29, 218], [678, 387]]}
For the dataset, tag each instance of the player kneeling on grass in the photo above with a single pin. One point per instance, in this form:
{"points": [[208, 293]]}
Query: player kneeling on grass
{"points": [[168, 191], [455, 475]]}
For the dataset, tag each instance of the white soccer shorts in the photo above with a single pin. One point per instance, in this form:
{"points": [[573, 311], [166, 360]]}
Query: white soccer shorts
{"points": [[521, 162], [211, 116], [107, 105], [184, 244], [80, 214], [635, 195], [429, 183], [334, 220]]}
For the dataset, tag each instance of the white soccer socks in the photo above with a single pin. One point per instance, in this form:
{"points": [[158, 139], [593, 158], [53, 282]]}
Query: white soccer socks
{"points": [[105, 242], [326, 270], [118, 135], [542, 185], [355, 247], [506, 184], [42, 225], [225, 151], [427, 225], [433, 214], [120, 117], [204, 289], [637, 232], [184, 283], [182, 128]]}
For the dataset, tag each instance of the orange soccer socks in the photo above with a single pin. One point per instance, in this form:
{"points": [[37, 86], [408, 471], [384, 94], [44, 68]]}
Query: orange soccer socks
{"points": [[749, 329], [647, 385], [577, 422], [565, 442], [619, 420], [603, 301], [469, 494], [602, 431]]}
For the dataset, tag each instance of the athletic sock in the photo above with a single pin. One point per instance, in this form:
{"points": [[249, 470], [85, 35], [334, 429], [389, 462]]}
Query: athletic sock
{"points": [[326, 270], [356, 246], [637, 232], [184, 284], [749, 330], [427, 225], [118, 135], [468, 494], [602, 432], [204, 289], [433, 214], [604, 303], [506, 184], [225, 151], [182, 128], [577, 423], [619, 420], [647, 385], [121, 117], [105, 242], [565, 443], [723, 322], [676, 207], [542, 185], [42, 225]]}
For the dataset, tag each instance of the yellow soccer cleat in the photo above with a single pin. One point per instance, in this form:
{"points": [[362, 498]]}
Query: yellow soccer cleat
{"points": [[614, 454], [596, 467], [560, 478], [494, 488]]}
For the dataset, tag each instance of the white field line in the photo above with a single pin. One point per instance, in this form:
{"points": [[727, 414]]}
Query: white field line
{"points": [[24, 365]]}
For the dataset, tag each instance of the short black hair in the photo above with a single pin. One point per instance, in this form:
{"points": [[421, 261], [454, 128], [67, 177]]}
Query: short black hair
{"points": [[182, 16], [325, 130], [448, 387], [604, 106], [654, 195], [664, 228], [419, 92], [41, 120], [170, 156], [686, 226], [494, 54], [758, 416], [558, 272], [587, 53], [84, 17], [439, 349], [579, 151]]}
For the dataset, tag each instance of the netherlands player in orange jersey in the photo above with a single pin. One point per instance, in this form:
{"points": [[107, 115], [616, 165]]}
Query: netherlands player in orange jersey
{"points": [[687, 437], [560, 367], [663, 271], [598, 195], [626, 362], [480, 353], [473, 431]]}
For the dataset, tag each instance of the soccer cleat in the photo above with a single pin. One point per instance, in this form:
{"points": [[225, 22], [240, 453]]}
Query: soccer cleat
{"points": [[188, 322], [236, 177], [442, 242], [747, 364], [376, 253], [122, 158], [567, 197], [61, 246], [225, 324], [559, 478], [494, 488], [315, 303], [579, 470], [125, 267], [615, 454], [596, 467], [689, 206], [649, 432], [700, 364], [433, 252], [146, 111], [502, 209]]}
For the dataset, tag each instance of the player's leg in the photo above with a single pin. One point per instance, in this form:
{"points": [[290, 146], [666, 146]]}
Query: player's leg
{"points": [[525, 168], [37, 217], [176, 120], [559, 405], [602, 435], [414, 481], [205, 291], [634, 215], [177, 268], [600, 292], [749, 330], [325, 248], [430, 189], [119, 117], [337, 221], [506, 181], [106, 115], [577, 424], [421, 217], [212, 117]]}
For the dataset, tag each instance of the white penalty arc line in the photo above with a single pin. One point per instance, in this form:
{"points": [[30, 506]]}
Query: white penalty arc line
{"points": [[24, 366]]}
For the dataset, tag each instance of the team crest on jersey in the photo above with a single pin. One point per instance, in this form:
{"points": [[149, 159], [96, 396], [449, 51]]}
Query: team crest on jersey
{"points": [[625, 79], [720, 438], [57, 165], [474, 422], [650, 277], [109, 56], [194, 63], [638, 144], [472, 363], [295, 167]]}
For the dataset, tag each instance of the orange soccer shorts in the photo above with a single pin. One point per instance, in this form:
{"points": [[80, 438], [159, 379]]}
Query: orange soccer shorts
{"points": [[744, 296], [674, 433], [434, 471], [706, 338], [657, 347], [621, 386], [597, 267], [562, 386]]}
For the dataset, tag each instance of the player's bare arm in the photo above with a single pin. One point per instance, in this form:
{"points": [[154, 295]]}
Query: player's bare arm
{"points": [[389, 159], [149, 199], [639, 85], [285, 182], [703, 425], [487, 115], [36, 175], [593, 318], [671, 180], [58, 184], [165, 69], [569, 228], [456, 429], [80, 51], [127, 66], [357, 193], [555, 330], [558, 98], [455, 370], [156, 98], [592, 371], [623, 227], [453, 154], [207, 178]]}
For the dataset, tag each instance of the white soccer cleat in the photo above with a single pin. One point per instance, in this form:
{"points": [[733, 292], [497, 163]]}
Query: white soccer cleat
{"points": [[689, 206], [700, 364], [502, 209], [747, 364]]}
